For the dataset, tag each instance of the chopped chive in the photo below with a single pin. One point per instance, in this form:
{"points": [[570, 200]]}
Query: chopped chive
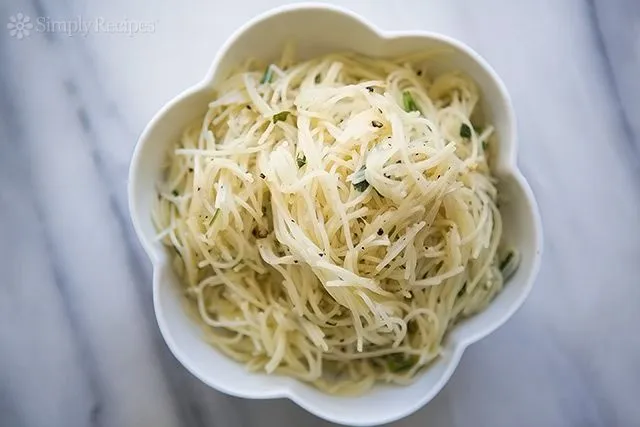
{"points": [[509, 264], [215, 215], [507, 259], [376, 124], [281, 116], [175, 193], [462, 290], [485, 144], [359, 181], [267, 76], [408, 102], [301, 160], [317, 79], [465, 131], [399, 362], [361, 186]]}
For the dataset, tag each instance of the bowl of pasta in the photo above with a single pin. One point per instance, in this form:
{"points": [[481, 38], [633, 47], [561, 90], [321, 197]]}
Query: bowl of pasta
{"points": [[334, 214]]}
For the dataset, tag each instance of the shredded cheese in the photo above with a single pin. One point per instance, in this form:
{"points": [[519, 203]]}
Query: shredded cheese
{"points": [[324, 232]]}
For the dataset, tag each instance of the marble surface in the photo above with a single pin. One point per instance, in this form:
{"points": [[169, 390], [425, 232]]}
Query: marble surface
{"points": [[78, 341]]}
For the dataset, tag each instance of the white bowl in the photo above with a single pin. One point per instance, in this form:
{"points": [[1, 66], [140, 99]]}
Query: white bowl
{"points": [[319, 29]]}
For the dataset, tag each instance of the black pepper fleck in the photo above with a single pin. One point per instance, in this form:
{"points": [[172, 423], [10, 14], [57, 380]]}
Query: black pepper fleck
{"points": [[380, 231], [370, 88], [419, 72], [262, 176]]}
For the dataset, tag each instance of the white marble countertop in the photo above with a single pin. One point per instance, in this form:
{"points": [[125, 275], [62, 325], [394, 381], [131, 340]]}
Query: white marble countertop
{"points": [[78, 341]]}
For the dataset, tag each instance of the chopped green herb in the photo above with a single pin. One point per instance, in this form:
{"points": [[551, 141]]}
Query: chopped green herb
{"points": [[175, 193], [376, 124], [281, 116], [465, 131], [267, 76], [408, 102], [359, 181], [399, 362], [317, 79], [509, 264], [301, 160], [215, 215], [462, 290], [485, 144], [507, 259], [361, 186]]}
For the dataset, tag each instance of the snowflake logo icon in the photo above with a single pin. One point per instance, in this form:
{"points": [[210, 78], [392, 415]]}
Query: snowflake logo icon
{"points": [[19, 26]]}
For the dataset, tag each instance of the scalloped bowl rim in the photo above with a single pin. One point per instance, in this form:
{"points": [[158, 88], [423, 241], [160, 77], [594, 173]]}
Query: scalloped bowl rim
{"points": [[457, 346]]}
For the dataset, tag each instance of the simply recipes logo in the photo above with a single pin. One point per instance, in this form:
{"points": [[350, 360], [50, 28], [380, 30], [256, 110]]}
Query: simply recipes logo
{"points": [[21, 26]]}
